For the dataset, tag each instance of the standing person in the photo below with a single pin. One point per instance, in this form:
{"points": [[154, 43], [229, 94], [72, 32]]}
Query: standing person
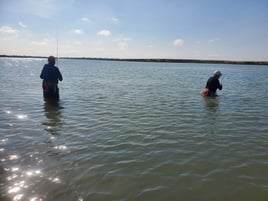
{"points": [[212, 85], [50, 75]]}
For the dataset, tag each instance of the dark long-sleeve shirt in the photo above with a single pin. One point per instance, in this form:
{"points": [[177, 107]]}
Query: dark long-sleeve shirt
{"points": [[213, 84], [51, 73]]}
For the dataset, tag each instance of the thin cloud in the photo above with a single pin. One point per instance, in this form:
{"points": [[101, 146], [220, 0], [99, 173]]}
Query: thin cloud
{"points": [[122, 42], [178, 42], [41, 8], [85, 19], [8, 30], [22, 25], [122, 45], [77, 31], [115, 20], [122, 39], [104, 33], [43, 42], [213, 40]]}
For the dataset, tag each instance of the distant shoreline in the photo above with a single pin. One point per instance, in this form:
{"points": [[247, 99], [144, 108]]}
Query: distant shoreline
{"points": [[150, 60]]}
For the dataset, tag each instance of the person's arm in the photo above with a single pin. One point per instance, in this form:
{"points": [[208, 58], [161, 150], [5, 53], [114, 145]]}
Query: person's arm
{"points": [[219, 85], [42, 72], [60, 76]]}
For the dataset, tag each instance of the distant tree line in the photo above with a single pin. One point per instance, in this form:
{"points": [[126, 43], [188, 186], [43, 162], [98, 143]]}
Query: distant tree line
{"points": [[151, 60]]}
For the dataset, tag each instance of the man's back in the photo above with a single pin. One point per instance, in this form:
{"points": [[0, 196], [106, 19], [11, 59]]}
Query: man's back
{"points": [[51, 73], [213, 84]]}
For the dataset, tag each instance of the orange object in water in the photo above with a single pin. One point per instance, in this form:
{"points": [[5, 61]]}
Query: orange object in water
{"points": [[204, 92]]}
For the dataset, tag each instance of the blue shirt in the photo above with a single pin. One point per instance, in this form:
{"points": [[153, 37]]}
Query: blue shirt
{"points": [[51, 73]]}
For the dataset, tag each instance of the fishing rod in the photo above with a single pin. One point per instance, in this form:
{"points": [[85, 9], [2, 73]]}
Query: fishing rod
{"points": [[57, 60]]}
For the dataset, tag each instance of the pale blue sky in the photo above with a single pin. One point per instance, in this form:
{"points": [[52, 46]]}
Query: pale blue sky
{"points": [[179, 29]]}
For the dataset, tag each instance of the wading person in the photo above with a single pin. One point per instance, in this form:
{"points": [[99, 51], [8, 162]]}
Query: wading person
{"points": [[50, 75], [212, 85]]}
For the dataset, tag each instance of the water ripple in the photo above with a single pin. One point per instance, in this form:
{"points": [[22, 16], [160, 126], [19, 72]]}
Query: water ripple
{"points": [[133, 131]]}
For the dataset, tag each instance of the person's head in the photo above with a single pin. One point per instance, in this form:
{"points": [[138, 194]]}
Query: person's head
{"points": [[51, 60], [217, 74]]}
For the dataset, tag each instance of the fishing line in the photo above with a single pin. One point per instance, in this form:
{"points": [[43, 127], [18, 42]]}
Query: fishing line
{"points": [[222, 79], [57, 60]]}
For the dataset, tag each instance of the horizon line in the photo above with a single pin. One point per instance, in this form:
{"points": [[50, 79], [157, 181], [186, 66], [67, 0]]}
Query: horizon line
{"points": [[210, 61]]}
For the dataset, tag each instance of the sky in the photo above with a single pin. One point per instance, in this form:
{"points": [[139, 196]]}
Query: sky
{"points": [[171, 29]]}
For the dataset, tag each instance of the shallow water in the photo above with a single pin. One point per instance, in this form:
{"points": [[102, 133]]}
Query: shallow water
{"points": [[133, 131]]}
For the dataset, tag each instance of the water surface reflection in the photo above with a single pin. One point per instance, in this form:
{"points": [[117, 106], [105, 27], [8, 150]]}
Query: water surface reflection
{"points": [[53, 113]]}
